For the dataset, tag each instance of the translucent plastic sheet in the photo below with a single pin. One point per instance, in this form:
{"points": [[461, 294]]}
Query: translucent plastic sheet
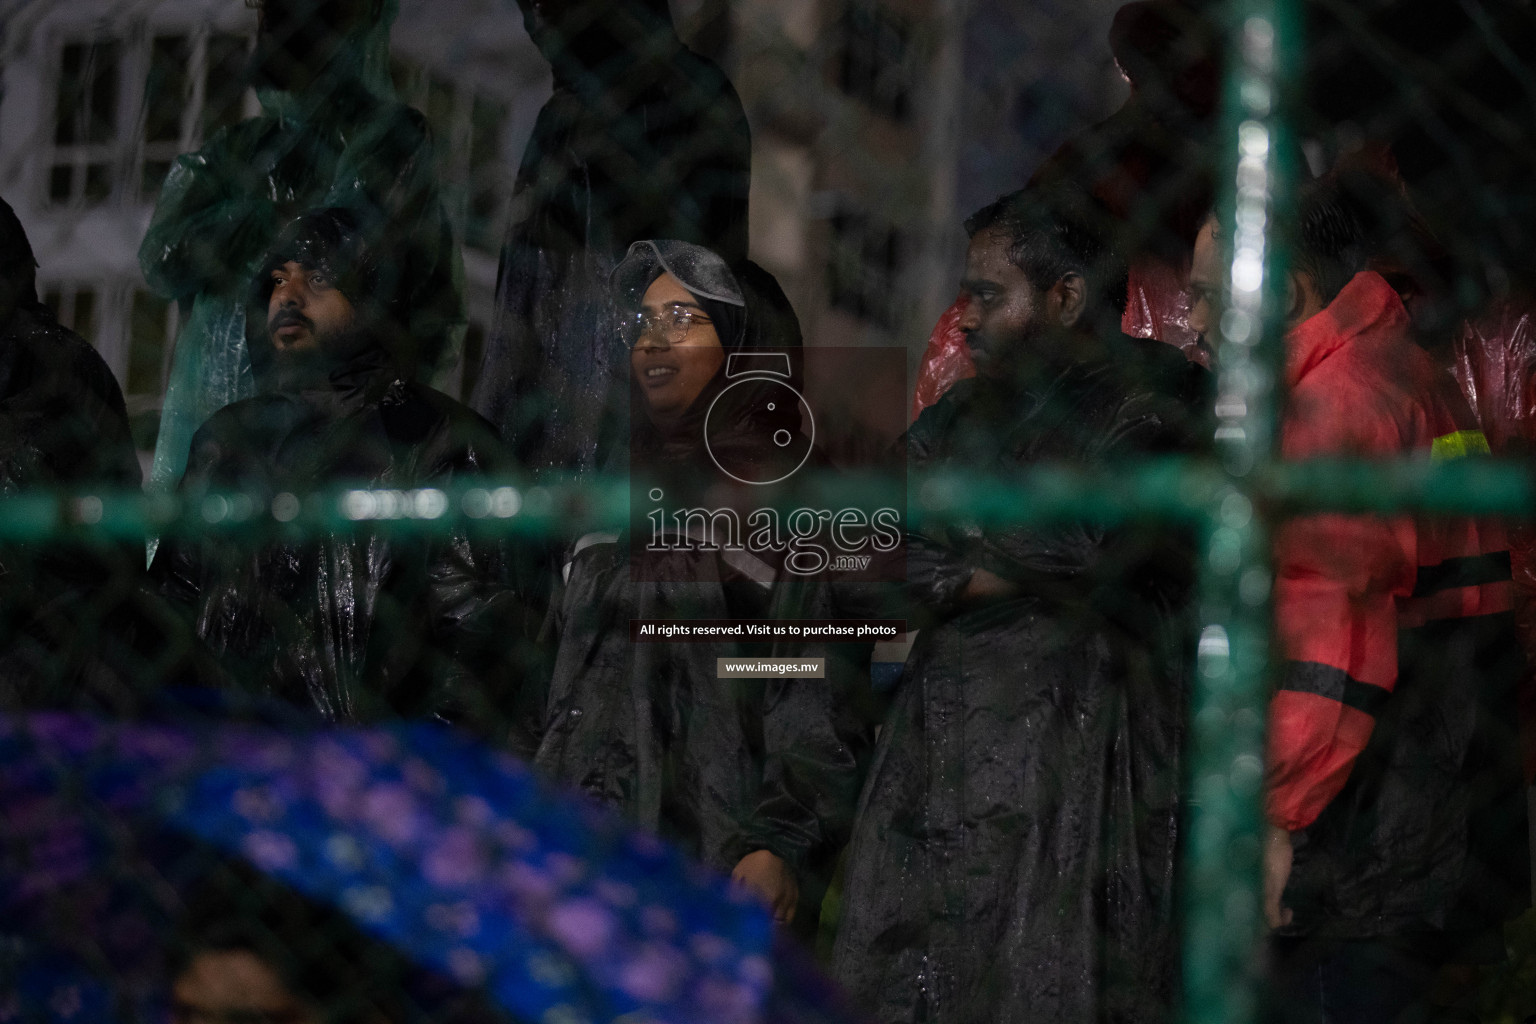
{"points": [[1157, 306], [1496, 366], [1495, 363], [210, 369], [945, 360], [700, 271]]}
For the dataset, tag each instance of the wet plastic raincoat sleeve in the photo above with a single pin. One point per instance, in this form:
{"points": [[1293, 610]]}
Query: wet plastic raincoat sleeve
{"points": [[214, 216], [817, 734], [1495, 364], [488, 632], [1338, 579]]}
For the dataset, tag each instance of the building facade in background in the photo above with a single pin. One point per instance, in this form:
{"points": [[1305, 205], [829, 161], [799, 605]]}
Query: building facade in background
{"points": [[877, 125]]}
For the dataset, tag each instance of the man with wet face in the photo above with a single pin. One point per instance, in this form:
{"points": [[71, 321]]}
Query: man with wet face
{"points": [[1029, 305], [305, 307], [1002, 312], [310, 321], [326, 303]]}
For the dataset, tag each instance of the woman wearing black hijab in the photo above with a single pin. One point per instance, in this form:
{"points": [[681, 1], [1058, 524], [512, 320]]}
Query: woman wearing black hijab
{"points": [[754, 777]]}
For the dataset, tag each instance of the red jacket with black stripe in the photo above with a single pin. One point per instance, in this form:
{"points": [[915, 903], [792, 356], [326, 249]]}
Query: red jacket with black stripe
{"points": [[1393, 631]]}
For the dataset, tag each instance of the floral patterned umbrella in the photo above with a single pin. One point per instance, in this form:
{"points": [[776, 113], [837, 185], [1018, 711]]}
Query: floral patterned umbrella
{"points": [[451, 853], [47, 987]]}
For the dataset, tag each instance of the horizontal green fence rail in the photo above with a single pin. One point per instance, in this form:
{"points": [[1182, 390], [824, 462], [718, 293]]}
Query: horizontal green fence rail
{"points": [[1167, 489]]}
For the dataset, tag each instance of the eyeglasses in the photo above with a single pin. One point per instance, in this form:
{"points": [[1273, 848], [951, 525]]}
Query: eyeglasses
{"points": [[671, 326]]}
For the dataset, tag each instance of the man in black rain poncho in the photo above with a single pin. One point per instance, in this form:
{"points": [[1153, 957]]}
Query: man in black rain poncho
{"points": [[331, 133], [352, 626], [754, 777], [77, 624], [642, 138], [1013, 857]]}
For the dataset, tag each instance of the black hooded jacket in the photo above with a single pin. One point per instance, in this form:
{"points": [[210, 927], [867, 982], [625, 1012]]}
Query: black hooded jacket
{"points": [[642, 139], [1013, 857], [62, 417], [78, 626], [723, 767], [353, 626]]}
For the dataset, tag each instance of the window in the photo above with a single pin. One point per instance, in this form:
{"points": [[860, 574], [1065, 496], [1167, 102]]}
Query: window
{"points": [[865, 261], [125, 109], [166, 93], [150, 333], [225, 99], [75, 305], [86, 125], [133, 329], [152, 324], [876, 59]]}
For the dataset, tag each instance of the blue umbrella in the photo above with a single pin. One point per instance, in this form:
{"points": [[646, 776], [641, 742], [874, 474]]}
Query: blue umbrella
{"points": [[45, 986], [451, 853]]}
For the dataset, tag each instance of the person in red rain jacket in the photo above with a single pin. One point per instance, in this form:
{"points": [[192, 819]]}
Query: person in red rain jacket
{"points": [[1396, 840]]}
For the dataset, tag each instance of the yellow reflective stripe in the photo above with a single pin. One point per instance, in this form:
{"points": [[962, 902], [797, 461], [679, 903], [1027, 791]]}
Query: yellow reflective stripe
{"points": [[1459, 445]]}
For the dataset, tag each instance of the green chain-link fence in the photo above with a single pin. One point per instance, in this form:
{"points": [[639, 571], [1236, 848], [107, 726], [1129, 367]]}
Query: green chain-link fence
{"points": [[1233, 499]]}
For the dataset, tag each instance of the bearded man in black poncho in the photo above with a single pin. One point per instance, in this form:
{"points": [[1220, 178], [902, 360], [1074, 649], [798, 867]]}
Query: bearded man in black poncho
{"points": [[642, 139], [1013, 858], [360, 626]]}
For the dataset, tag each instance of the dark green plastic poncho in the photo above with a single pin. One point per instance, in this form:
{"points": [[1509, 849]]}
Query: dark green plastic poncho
{"points": [[344, 140]]}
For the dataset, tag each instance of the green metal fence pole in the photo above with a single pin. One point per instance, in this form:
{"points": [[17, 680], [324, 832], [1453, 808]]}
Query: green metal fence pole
{"points": [[1223, 921]]}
